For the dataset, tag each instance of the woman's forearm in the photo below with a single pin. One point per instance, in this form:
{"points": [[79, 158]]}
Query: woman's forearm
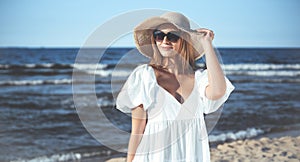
{"points": [[138, 124], [216, 79], [132, 146]]}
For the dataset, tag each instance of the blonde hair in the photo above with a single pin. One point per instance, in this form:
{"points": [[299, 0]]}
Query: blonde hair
{"points": [[186, 50]]}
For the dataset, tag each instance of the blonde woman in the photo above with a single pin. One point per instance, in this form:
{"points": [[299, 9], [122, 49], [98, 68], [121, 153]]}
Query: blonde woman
{"points": [[168, 97]]}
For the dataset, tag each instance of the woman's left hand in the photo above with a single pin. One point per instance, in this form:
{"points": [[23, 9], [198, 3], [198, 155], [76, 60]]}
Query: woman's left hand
{"points": [[217, 85], [208, 35]]}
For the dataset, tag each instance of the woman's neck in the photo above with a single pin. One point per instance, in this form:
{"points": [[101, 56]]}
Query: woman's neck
{"points": [[171, 64], [177, 66]]}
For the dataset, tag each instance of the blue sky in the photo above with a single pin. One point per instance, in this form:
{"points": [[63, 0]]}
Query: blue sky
{"points": [[68, 23]]}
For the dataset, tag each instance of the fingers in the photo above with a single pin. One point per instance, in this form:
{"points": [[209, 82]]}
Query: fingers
{"points": [[206, 32], [212, 35]]}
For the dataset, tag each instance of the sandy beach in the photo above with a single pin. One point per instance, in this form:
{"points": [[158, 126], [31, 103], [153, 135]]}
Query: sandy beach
{"points": [[283, 149]]}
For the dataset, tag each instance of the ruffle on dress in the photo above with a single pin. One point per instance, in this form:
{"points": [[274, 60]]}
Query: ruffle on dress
{"points": [[137, 90], [211, 105]]}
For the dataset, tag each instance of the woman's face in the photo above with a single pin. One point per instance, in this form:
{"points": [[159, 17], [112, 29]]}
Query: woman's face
{"points": [[166, 47]]}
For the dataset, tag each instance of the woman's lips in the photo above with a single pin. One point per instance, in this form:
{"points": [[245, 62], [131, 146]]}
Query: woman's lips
{"points": [[166, 47]]}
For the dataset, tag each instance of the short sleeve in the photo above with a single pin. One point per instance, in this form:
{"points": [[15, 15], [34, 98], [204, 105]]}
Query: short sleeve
{"points": [[212, 105], [136, 90]]}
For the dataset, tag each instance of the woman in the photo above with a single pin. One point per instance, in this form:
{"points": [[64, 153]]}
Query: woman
{"points": [[168, 97]]}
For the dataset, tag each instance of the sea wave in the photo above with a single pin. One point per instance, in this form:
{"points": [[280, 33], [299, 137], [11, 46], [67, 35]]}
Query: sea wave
{"points": [[53, 66], [240, 66], [242, 134], [124, 74], [267, 80], [107, 70], [283, 73], [57, 157], [34, 82], [53, 82], [71, 156], [260, 66]]}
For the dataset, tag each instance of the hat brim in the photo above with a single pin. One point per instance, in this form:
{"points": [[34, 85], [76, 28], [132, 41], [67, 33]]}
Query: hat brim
{"points": [[143, 33]]}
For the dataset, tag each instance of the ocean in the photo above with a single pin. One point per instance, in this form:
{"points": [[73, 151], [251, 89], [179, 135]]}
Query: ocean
{"points": [[39, 121]]}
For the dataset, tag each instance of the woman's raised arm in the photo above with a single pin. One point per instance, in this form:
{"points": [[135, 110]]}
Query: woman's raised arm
{"points": [[217, 85]]}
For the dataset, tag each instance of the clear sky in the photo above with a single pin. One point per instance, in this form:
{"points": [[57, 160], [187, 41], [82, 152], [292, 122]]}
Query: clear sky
{"points": [[68, 23]]}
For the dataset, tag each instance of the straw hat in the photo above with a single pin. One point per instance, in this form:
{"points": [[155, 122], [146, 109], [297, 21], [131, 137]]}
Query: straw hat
{"points": [[143, 32]]}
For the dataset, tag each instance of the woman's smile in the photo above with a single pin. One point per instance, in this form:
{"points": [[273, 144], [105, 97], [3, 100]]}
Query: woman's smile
{"points": [[166, 47]]}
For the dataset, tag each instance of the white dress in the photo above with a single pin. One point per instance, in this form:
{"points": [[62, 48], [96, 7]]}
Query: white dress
{"points": [[174, 132]]}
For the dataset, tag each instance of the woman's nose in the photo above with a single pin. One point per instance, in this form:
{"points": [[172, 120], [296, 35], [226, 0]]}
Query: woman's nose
{"points": [[165, 40]]}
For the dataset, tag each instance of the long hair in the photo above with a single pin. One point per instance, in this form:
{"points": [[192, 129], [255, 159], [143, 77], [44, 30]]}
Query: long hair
{"points": [[186, 51]]}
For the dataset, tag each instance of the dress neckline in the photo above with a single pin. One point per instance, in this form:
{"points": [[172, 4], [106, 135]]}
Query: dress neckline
{"points": [[171, 96]]}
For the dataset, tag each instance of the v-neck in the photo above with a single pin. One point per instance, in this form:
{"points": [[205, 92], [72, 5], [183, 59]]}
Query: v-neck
{"points": [[173, 97]]}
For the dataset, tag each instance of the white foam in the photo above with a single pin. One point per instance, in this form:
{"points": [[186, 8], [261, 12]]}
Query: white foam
{"points": [[106, 73], [266, 73], [4, 66], [61, 81], [102, 66], [285, 70], [260, 66], [35, 82], [57, 157], [49, 65], [242, 134], [94, 69], [66, 156], [121, 73], [104, 102], [89, 66], [30, 65]]}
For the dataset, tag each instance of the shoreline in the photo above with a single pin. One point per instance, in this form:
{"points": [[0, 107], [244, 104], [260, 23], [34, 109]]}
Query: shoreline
{"points": [[265, 148]]}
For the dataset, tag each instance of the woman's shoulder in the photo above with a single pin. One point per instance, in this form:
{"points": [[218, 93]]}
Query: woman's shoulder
{"points": [[142, 68], [142, 72]]}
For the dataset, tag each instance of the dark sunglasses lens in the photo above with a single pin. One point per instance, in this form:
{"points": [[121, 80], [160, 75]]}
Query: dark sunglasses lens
{"points": [[158, 35], [172, 37]]}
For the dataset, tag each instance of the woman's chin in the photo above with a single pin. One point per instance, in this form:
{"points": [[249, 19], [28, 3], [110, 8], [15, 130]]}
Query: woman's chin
{"points": [[168, 53]]}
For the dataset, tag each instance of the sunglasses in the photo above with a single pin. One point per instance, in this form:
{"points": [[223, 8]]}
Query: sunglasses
{"points": [[171, 36]]}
